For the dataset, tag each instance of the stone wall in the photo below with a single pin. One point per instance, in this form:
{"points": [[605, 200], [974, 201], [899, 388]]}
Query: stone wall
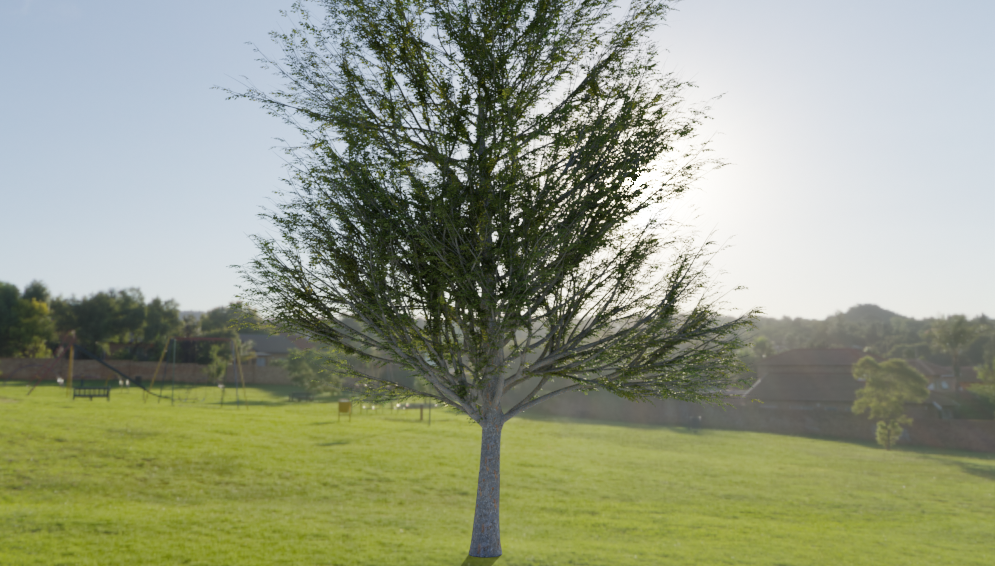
{"points": [[960, 434], [48, 370]]}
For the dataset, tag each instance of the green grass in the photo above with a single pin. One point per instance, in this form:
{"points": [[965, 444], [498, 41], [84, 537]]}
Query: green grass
{"points": [[123, 482]]}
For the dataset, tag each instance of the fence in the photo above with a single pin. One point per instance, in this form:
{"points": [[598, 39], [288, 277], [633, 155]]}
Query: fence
{"points": [[959, 434], [26, 369]]}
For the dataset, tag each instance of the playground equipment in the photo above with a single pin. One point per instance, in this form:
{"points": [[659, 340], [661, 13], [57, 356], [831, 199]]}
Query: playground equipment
{"points": [[137, 380], [69, 348], [236, 365]]}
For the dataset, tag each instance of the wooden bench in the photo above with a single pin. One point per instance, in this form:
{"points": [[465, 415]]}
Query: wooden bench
{"points": [[91, 392], [301, 396]]}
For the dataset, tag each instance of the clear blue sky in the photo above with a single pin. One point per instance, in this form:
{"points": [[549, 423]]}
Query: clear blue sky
{"points": [[860, 137]]}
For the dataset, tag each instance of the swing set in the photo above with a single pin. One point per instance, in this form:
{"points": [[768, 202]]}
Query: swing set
{"points": [[68, 347], [237, 375]]}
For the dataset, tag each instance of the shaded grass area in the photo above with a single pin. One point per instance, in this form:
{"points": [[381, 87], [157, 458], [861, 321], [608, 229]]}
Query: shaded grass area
{"points": [[127, 482]]}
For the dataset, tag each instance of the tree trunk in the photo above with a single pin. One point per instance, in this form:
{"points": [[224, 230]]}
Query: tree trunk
{"points": [[486, 539]]}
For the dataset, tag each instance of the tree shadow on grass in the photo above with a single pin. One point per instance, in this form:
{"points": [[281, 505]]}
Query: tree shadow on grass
{"points": [[681, 429], [983, 466], [404, 420], [926, 451], [984, 472]]}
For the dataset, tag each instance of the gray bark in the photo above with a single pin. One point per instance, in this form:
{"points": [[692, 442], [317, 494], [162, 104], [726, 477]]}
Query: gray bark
{"points": [[486, 539]]}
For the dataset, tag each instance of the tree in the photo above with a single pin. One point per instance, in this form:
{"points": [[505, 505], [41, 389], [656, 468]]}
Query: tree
{"points": [[102, 318], [986, 381], [763, 347], [216, 365], [25, 325], [986, 371], [888, 386], [219, 322], [953, 334], [478, 199], [162, 320], [245, 350], [313, 369], [190, 326], [38, 291]]}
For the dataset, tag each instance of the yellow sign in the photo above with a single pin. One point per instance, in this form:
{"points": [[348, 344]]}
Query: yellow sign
{"points": [[345, 407]]}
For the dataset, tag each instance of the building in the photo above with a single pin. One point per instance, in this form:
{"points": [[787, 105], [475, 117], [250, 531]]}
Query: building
{"points": [[807, 379], [822, 379], [941, 379]]}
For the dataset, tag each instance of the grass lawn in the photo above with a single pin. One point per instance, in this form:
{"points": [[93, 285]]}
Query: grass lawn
{"points": [[132, 483]]}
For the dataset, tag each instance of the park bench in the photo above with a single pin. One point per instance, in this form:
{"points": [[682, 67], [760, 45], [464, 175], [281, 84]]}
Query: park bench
{"points": [[91, 392], [301, 396]]}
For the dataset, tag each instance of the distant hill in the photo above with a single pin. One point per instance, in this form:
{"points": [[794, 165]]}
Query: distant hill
{"points": [[865, 314], [866, 327]]}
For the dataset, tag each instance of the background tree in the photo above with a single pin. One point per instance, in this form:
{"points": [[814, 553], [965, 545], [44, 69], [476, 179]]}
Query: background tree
{"points": [[888, 386], [986, 381], [889, 334], [478, 199], [209, 352], [953, 334], [246, 350], [38, 291], [25, 325], [314, 370], [763, 347], [219, 322], [985, 387], [102, 318], [162, 321], [228, 320], [190, 326], [217, 364], [223, 322]]}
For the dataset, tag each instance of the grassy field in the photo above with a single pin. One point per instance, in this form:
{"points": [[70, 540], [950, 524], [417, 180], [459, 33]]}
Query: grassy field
{"points": [[132, 483]]}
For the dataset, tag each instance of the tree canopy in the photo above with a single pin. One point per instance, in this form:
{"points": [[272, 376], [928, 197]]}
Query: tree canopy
{"points": [[101, 318], [888, 386], [25, 325], [954, 334], [310, 369], [479, 199], [986, 370], [868, 326]]}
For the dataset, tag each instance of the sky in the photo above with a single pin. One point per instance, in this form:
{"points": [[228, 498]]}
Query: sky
{"points": [[859, 138]]}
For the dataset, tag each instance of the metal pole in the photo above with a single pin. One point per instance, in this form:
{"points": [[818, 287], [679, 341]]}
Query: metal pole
{"points": [[238, 405], [241, 375], [70, 370], [172, 388]]}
